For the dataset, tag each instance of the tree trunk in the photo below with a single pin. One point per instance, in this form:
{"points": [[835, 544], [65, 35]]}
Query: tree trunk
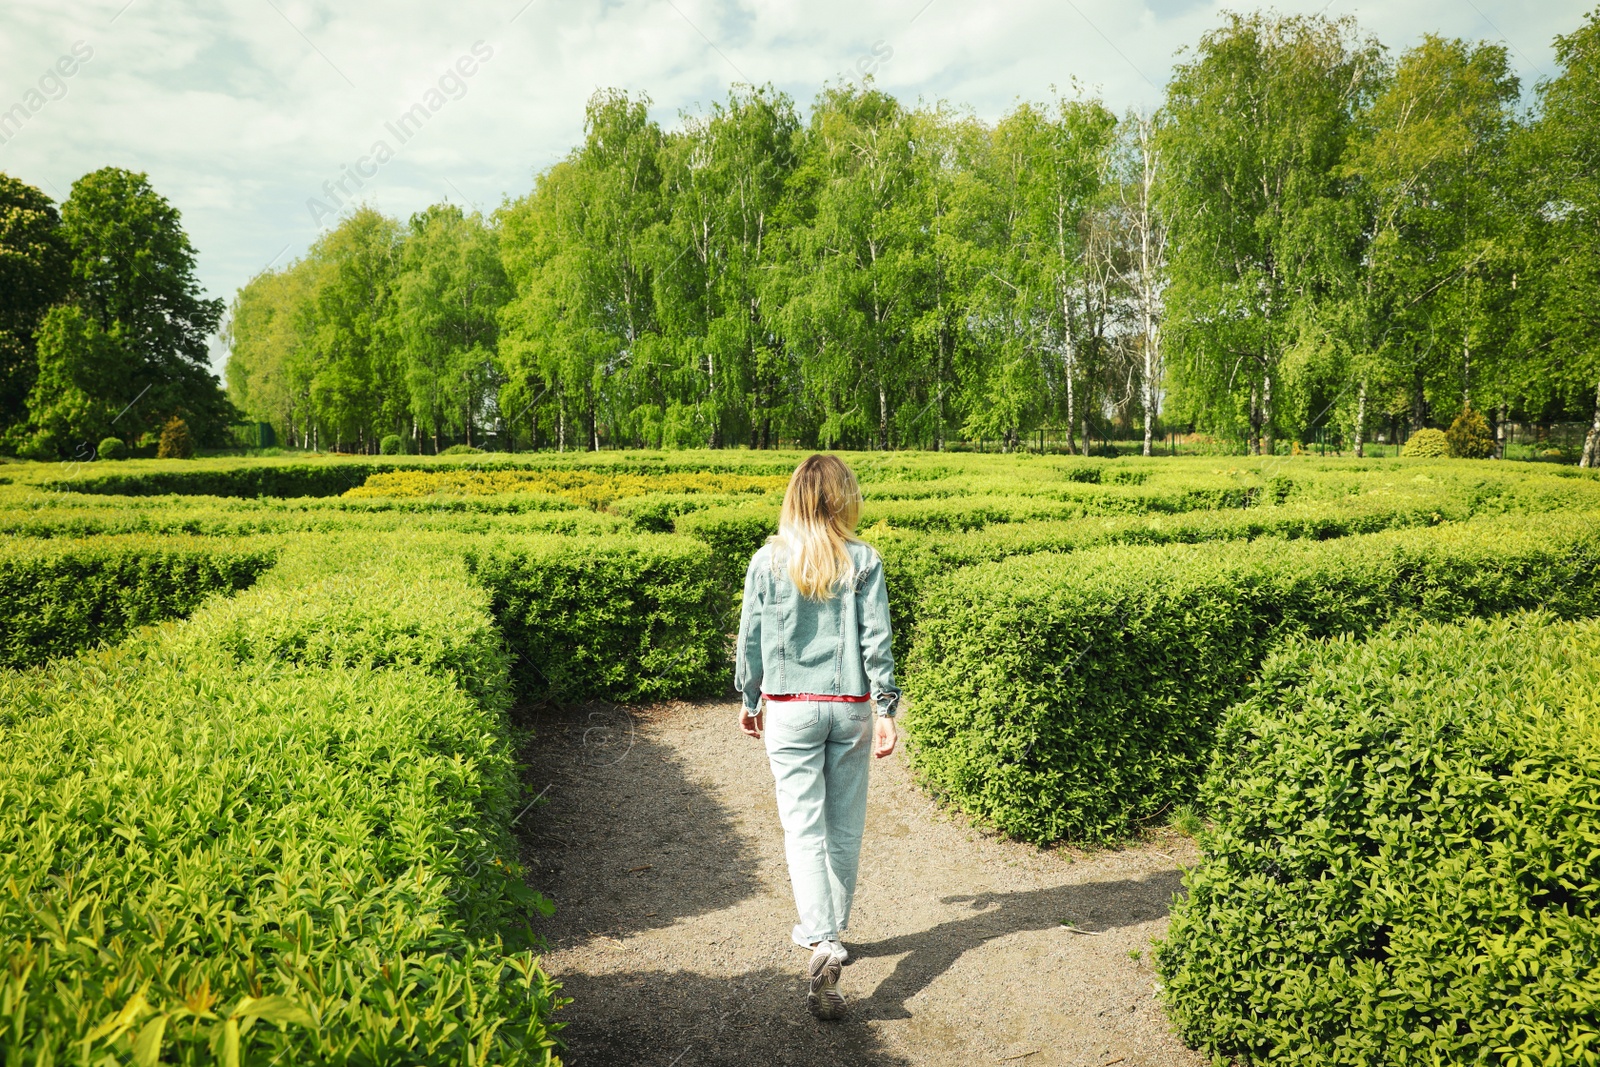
{"points": [[883, 418], [1361, 418], [1269, 445], [1071, 373], [561, 426], [1149, 397], [1419, 402], [1591, 443], [1500, 430], [711, 383], [1253, 448]]}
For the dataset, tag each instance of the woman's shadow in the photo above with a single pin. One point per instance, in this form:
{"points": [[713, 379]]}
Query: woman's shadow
{"points": [[1091, 907]]}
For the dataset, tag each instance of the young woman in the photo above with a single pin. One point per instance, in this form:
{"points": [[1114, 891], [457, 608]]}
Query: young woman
{"points": [[814, 641]]}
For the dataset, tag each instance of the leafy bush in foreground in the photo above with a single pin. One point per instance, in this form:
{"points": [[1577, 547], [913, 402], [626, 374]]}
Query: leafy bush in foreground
{"points": [[1402, 867], [222, 866], [60, 596], [275, 833], [1076, 696]]}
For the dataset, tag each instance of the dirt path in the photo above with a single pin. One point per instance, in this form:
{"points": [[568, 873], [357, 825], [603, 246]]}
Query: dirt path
{"points": [[661, 847]]}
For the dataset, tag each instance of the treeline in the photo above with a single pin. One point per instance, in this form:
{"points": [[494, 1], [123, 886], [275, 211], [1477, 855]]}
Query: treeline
{"points": [[103, 323], [1309, 239]]}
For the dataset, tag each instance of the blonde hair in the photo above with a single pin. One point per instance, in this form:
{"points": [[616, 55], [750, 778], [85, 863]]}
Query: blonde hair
{"points": [[820, 510]]}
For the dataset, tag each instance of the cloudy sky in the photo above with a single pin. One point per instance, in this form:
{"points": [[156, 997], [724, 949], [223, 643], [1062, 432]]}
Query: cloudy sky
{"points": [[240, 112]]}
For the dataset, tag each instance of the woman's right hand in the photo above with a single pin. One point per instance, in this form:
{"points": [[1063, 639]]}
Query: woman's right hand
{"points": [[883, 737]]}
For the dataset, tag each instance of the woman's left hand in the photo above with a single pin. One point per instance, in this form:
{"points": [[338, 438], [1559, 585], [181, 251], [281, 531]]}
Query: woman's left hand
{"points": [[750, 724], [883, 737]]}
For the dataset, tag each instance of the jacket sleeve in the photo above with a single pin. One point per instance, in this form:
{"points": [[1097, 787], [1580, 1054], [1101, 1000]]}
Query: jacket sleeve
{"points": [[877, 639], [747, 669]]}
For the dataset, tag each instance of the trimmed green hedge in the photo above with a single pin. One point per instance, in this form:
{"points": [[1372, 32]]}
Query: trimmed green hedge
{"points": [[733, 534], [913, 560], [913, 557], [626, 619], [1076, 696], [397, 600], [1402, 867], [58, 597], [52, 515], [658, 512], [292, 847], [288, 480], [1072, 500], [330, 476]]}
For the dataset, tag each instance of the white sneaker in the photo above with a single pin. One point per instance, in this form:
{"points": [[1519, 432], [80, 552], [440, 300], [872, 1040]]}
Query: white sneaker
{"points": [[838, 949], [823, 996]]}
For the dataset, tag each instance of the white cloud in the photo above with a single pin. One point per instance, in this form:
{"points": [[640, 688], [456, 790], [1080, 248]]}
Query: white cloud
{"points": [[239, 114]]}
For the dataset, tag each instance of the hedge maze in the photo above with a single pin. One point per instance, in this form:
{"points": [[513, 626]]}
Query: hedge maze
{"points": [[257, 781]]}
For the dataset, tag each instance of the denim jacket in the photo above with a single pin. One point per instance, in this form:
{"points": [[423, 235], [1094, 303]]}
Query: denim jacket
{"points": [[839, 646]]}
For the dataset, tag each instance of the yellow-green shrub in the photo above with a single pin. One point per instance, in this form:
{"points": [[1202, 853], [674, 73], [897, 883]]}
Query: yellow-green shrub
{"points": [[278, 832], [1401, 868], [1426, 443], [1076, 696], [60, 596], [637, 618], [587, 487], [75, 515]]}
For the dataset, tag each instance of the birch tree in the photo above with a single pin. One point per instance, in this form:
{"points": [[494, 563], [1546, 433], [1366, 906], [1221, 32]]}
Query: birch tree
{"points": [[1565, 149], [1256, 125]]}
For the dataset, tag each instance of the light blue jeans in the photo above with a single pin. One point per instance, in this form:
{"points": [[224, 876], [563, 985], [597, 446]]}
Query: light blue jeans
{"points": [[819, 753]]}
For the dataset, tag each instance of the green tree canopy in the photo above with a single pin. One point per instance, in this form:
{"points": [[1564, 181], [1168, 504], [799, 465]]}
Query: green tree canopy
{"points": [[1563, 315], [1306, 240], [34, 265], [450, 287], [131, 338], [1256, 126]]}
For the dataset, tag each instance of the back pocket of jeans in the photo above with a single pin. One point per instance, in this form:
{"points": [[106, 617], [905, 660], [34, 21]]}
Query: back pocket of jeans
{"points": [[791, 715]]}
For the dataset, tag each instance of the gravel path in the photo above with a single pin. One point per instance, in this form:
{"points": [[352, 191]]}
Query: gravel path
{"points": [[659, 843]]}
